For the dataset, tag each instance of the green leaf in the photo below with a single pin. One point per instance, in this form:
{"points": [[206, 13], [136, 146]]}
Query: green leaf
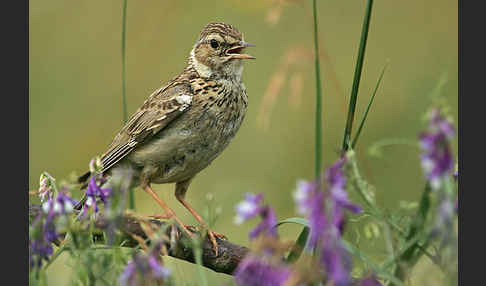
{"points": [[355, 140], [296, 220], [299, 246], [301, 241], [357, 77]]}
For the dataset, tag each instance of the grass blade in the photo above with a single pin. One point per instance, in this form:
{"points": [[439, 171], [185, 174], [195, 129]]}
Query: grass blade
{"points": [[296, 220], [123, 59], [355, 140], [318, 137], [301, 241], [131, 202], [318, 119], [298, 247], [357, 77]]}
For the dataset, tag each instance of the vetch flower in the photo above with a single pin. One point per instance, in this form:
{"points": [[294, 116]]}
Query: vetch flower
{"points": [[94, 191], [39, 251], [317, 218], [144, 269], [64, 204], [303, 196], [267, 225], [336, 183], [370, 281], [437, 160], [325, 211], [256, 271], [336, 260], [45, 188], [248, 208], [445, 219]]}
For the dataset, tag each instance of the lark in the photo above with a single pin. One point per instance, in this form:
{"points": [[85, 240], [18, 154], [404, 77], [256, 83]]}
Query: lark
{"points": [[183, 126]]}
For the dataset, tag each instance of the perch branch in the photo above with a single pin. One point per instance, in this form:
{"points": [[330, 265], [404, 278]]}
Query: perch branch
{"points": [[228, 258]]}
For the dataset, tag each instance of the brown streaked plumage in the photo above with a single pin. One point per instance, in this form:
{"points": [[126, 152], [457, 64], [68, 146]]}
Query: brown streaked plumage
{"points": [[182, 127]]}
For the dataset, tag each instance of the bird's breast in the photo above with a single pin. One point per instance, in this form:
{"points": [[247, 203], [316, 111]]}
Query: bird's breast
{"points": [[198, 136]]}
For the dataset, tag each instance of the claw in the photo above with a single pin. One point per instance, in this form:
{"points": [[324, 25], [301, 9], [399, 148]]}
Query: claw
{"points": [[184, 227], [160, 216], [212, 237]]}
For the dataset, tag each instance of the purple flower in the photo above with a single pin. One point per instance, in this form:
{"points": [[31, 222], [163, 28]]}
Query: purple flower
{"points": [[325, 213], [256, 271], [370, 281], [303, 196], [143, 270], [95, 191], [336, 260], [336, 183], [248, 208], [267, 225], [43, 231], [317, 218], [44, 188], [436, 159], [39, 250], [445, 219]]}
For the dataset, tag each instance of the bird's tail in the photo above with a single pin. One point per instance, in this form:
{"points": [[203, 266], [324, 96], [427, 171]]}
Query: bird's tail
{"points": [[83, 180]]}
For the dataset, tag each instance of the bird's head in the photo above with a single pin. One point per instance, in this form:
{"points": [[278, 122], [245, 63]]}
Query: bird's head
{"points": [[219, 50]]}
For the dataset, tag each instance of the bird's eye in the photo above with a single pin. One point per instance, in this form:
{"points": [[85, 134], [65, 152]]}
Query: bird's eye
{"points": [[214, 44]]}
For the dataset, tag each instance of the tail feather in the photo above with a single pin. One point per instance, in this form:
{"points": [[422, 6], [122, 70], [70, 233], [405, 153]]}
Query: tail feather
{"points": [[83, 179]]}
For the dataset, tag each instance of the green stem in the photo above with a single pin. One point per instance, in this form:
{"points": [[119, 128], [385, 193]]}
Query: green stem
{"points": [[357, 77], [131, 203], [123, 48], [318, 138]]}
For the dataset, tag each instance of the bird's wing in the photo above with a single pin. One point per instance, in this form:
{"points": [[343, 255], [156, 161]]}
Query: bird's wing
{"points": [[161, 108]]}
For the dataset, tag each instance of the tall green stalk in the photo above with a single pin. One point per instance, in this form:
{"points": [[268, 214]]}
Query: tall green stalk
{"points": [[357, 77], [318, 139], [304, 234], [131, 203]]}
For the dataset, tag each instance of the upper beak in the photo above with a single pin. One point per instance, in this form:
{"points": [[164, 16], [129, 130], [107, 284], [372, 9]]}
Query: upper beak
{"points": [[235, 52]]}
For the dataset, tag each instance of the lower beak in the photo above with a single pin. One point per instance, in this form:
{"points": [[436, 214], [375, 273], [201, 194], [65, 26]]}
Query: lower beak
{"points": [[236, 52]]}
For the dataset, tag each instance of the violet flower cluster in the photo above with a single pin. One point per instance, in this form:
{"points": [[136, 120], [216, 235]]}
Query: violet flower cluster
{"points": [[144, 269], [255, 270], [438, 164], [325, 212], [95, 191], [250, 208], [436, 159], [43, 231]]}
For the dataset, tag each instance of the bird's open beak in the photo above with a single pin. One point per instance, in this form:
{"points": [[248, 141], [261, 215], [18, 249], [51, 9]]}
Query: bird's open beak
{"points": [[236, 51]]}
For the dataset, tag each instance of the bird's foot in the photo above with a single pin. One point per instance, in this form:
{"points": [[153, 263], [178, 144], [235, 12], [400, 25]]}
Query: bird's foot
{"points": [[161, 216], [184, 227], [212, 237]]}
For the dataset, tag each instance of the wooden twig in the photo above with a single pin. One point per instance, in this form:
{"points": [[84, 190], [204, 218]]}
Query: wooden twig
{"points": [[229, 254]]}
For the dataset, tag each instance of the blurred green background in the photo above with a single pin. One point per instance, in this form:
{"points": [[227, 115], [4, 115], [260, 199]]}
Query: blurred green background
{"points": [[75, 105]]}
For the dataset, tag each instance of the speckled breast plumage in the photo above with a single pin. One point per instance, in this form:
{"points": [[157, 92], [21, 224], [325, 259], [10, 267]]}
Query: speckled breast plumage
{"points": [[198, 136]]}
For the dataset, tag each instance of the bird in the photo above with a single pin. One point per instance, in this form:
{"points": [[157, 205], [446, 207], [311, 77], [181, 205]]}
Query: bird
{"points": [[183, 126]]}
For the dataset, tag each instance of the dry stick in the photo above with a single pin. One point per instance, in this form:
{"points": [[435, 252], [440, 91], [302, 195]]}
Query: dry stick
{"points": [[228, 258]]}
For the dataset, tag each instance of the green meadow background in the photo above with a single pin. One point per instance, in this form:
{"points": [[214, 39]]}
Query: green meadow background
{"points": [[75, 104]]}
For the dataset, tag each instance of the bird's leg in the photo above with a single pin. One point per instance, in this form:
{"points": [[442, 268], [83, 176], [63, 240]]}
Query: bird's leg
{"points": [[180, 193], [169, 213]]}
